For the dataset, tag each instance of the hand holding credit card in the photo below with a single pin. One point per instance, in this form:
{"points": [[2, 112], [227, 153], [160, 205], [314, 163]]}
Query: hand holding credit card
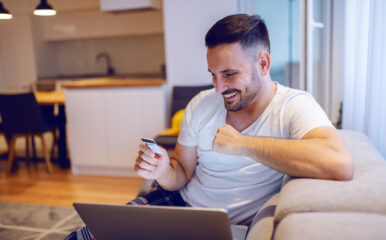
{"points": [[150, 143]]}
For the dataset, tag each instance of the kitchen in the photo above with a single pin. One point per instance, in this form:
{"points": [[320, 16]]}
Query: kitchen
{"points": [[85, 44], [92, 42], [104, 125], [103, 61]]}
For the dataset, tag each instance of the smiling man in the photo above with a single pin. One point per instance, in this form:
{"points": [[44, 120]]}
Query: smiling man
{"points": [[238, 140]]}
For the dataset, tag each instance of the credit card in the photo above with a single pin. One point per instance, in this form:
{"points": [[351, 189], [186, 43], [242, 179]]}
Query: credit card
{"points": [[152, 145]]}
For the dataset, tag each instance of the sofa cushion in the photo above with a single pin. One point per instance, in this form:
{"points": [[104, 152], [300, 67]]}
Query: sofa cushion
{"points": [[365, 193], [317, 226], [262, 225]]}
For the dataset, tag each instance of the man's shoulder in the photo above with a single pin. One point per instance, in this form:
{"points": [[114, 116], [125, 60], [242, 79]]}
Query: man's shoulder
{"points": [[205, 100], [203, 108], [290, 95]]}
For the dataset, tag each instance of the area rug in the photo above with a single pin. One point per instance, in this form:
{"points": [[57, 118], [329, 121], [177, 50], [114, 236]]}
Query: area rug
{"points": [[36, 222]]}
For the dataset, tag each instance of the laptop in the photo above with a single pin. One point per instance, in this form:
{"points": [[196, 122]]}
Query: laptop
{"points": [[116, 222]]}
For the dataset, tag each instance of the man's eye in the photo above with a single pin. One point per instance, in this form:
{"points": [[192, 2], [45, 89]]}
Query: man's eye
{"points": [[229, 74]]}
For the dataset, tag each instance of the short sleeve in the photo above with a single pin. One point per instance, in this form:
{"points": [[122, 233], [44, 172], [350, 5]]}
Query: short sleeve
{"points": [[188, 136], [303, 114]]}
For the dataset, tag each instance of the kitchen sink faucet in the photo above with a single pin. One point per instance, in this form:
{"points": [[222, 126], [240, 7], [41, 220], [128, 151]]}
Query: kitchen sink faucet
{"points": [[110, 69]]}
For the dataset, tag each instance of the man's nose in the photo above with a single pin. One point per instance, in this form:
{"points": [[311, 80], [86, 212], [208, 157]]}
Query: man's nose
{"points": [[220, 86]]}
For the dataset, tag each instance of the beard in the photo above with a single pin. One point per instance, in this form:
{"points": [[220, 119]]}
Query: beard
{"points": [[244, 101], [244, 98]]}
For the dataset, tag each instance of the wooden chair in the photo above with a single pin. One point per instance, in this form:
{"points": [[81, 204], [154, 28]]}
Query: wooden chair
{"points": [[53, 122], [21, 117]]}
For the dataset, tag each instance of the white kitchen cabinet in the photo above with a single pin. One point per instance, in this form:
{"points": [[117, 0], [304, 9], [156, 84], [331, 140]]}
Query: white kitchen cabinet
{"points": [[95, 24], [124, 109], [104, 126], [85, 120], [124, 5]]}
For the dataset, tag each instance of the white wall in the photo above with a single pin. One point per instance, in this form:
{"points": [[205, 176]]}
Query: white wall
{"points": [[17, 70], [186, 23]]}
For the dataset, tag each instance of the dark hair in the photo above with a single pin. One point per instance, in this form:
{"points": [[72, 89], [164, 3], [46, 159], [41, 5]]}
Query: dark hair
{"points": [[250, 31]]}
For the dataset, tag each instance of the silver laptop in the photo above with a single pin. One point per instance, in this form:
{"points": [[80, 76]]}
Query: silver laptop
{"points": [[115, 222]]}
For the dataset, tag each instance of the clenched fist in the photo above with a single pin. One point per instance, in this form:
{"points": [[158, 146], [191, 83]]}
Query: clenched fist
{"points": [[150, 165], [227, 140]]}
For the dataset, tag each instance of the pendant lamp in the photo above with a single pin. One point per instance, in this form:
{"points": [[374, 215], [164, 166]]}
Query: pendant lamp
{"points": [[4, 13], [44, 9]]}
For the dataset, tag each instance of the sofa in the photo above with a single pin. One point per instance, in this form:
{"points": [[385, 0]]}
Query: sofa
{"points": [[326, 209]]}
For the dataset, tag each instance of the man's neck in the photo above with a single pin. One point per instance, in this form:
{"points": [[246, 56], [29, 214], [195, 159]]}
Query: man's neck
{"points": [[242, 119]]}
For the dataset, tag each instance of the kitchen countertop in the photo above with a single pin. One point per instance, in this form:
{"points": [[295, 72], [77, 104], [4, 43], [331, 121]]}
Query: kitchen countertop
{"points": [[99, 75], [114, 82], [50, 98]]}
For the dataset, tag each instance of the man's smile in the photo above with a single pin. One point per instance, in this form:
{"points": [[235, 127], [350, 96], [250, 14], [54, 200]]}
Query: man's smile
{"points": [[230, 95]]}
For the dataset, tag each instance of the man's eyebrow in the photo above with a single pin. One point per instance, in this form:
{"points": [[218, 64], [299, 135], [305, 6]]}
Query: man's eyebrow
{"points": [[224, 71], [228, 70]]}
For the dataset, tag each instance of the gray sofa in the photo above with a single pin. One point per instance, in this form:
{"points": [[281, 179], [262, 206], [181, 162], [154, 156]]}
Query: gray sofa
{"points": [[324, 209]]}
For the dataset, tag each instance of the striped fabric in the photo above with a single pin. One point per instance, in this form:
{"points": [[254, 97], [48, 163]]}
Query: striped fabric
{"points": [[84, 233], [159, 197]]}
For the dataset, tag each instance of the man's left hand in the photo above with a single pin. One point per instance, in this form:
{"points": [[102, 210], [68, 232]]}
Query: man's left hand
{"points": [[227, 140]]}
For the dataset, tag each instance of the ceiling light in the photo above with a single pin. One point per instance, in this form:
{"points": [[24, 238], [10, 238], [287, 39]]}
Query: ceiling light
{"points": [[44, 9], [4, 13]]}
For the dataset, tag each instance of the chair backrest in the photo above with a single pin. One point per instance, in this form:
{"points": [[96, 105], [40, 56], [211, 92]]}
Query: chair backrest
{"points": [[20, 113], [183, 94]]}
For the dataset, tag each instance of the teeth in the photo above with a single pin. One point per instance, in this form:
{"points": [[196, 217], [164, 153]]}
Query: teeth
{"points": [[229, 95]]}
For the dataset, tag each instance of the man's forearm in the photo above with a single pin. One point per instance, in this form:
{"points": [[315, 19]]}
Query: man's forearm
{"points": [[175, 178], [321, 153], [314, 158], [180, 168]]}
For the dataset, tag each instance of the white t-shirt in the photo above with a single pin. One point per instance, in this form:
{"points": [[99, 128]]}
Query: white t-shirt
{"points": [[237, 183]]}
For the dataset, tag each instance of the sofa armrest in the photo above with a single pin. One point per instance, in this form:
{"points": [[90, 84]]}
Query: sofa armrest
{"points": [[262, 225], [332, 226], [365, 193]]}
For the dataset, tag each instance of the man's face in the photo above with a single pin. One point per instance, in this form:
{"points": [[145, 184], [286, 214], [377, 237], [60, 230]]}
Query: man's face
{"points": [[234, 75]]}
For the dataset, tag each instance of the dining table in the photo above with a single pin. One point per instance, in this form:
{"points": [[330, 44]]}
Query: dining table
{"points": [[57, 98], [50, 98]]}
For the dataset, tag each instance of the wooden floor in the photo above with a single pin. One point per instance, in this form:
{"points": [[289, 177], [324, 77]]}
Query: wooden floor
{"points": [[34, 185]]}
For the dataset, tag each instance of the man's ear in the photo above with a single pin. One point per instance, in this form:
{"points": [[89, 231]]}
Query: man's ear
{"points": [[264, 62]]}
